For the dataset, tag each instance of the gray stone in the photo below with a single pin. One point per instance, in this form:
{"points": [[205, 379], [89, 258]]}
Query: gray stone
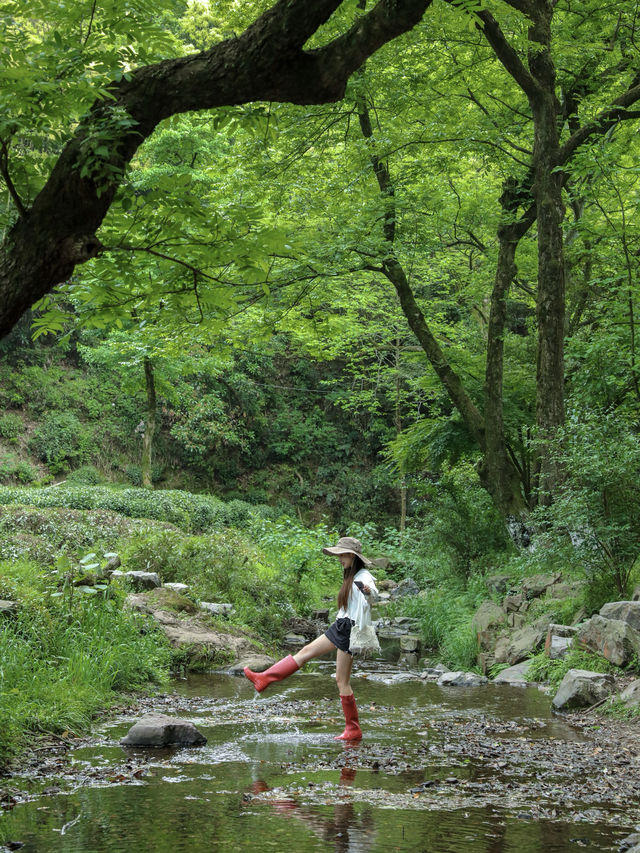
{"points": [[636, 593], [256, 663], [408, 659], [513, 602], [614, 639], [516, 620], [320, 615], [627, 611], [111, 565], [216, 608], [525, 642], [140, 580], [497, 584], [190, 632], [535, 586], [410, 643], [156, 730], [7, 608], [581, 688], [462, 679], [562, 630], [386, 585], [381, 562], [559, 640], [501, 650], [630, 843], [565, 590], [488, 615], [383, 597], [631, 694], [558, 647], [406, 587], [514, 674], [294, 640], [177, 587], [433, 673]]}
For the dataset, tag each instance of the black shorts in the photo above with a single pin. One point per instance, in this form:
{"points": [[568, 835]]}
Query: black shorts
{"points": [[340, 633]]}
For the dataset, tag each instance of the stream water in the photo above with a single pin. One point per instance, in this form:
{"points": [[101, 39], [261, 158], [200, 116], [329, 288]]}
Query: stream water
{"points": [[439, 769]]}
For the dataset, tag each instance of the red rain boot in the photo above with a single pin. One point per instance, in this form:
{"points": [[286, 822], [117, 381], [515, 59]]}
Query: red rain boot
{"points": [[352, 730], [285, 667]]}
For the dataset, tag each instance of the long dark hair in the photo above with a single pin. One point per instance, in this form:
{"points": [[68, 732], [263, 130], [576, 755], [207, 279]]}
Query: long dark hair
{"points": [[345, 589]]}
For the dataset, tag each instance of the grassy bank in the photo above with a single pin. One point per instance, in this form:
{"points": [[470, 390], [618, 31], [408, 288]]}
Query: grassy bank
{"points": [[60, 665], [69, 651]]}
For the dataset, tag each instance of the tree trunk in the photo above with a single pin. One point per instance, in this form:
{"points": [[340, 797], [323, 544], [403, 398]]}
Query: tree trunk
{"points": [[150, 427], [502, 478], [550, 303]]}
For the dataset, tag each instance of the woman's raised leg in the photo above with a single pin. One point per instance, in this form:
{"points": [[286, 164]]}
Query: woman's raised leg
{"points": [[322, 645], [287, 666]]}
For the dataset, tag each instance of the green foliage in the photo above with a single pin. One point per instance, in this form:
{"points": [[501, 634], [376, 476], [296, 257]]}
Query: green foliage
{"points": [[598, 506], [190, 512], [282, 574], [56, 675], [59, 440], [542, 668], [86, 474], [14, 468], [11, 427]]}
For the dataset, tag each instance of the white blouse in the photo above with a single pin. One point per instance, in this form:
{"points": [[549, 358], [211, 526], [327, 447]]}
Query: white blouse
{"points": [[359, 605]]}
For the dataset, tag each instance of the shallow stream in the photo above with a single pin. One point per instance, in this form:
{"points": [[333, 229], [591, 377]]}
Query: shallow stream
{"points": [[439, 769]]}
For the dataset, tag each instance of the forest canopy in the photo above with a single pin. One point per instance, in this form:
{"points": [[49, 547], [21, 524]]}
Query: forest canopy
{"points": [[440, 196]]}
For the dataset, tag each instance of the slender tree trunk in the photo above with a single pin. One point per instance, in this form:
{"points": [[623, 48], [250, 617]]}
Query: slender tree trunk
{"points": [[498, 473], [550, 304], [150, 428], [398, 425], [503, 479]]}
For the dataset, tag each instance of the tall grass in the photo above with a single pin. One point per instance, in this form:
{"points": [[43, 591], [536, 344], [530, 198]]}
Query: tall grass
{"points": [[57, 672]]}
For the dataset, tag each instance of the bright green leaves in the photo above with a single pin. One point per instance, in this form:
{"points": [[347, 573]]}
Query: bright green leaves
{"points": [[56, 60]]}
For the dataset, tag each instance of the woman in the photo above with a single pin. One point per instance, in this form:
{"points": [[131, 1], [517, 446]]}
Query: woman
{"points": [[357, 591]]}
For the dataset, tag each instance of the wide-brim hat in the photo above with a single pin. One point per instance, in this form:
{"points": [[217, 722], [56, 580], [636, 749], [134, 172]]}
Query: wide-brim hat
{"points": [[347, 545]]}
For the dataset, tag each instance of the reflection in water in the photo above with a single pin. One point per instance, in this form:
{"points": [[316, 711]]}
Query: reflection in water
{"points": [[350, 832]]}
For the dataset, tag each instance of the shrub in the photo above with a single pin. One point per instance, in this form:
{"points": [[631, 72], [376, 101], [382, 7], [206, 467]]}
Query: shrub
{"points": [[57, 675], [8, 463], [87, 474], [59, 440], [542, 668], [596, 513], [25, 472], [11, 427]]}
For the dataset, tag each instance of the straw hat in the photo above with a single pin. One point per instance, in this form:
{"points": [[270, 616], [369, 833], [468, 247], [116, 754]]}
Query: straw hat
{"points": [[347, 545]]}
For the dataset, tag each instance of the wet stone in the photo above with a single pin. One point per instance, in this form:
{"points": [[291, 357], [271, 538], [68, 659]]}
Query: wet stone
{"points": [[581, 688], [631, 694], [256, 663], [462, 679], [514, 674], [157, 730]]}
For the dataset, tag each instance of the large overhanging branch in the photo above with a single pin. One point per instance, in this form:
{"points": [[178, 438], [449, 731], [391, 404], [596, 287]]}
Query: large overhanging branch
{"points": [[266, 63]]}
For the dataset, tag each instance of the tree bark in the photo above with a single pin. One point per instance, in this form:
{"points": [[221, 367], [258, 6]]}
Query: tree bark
{"points": [[550, 303], [150, 426], [503, 480], [266, 63]]}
